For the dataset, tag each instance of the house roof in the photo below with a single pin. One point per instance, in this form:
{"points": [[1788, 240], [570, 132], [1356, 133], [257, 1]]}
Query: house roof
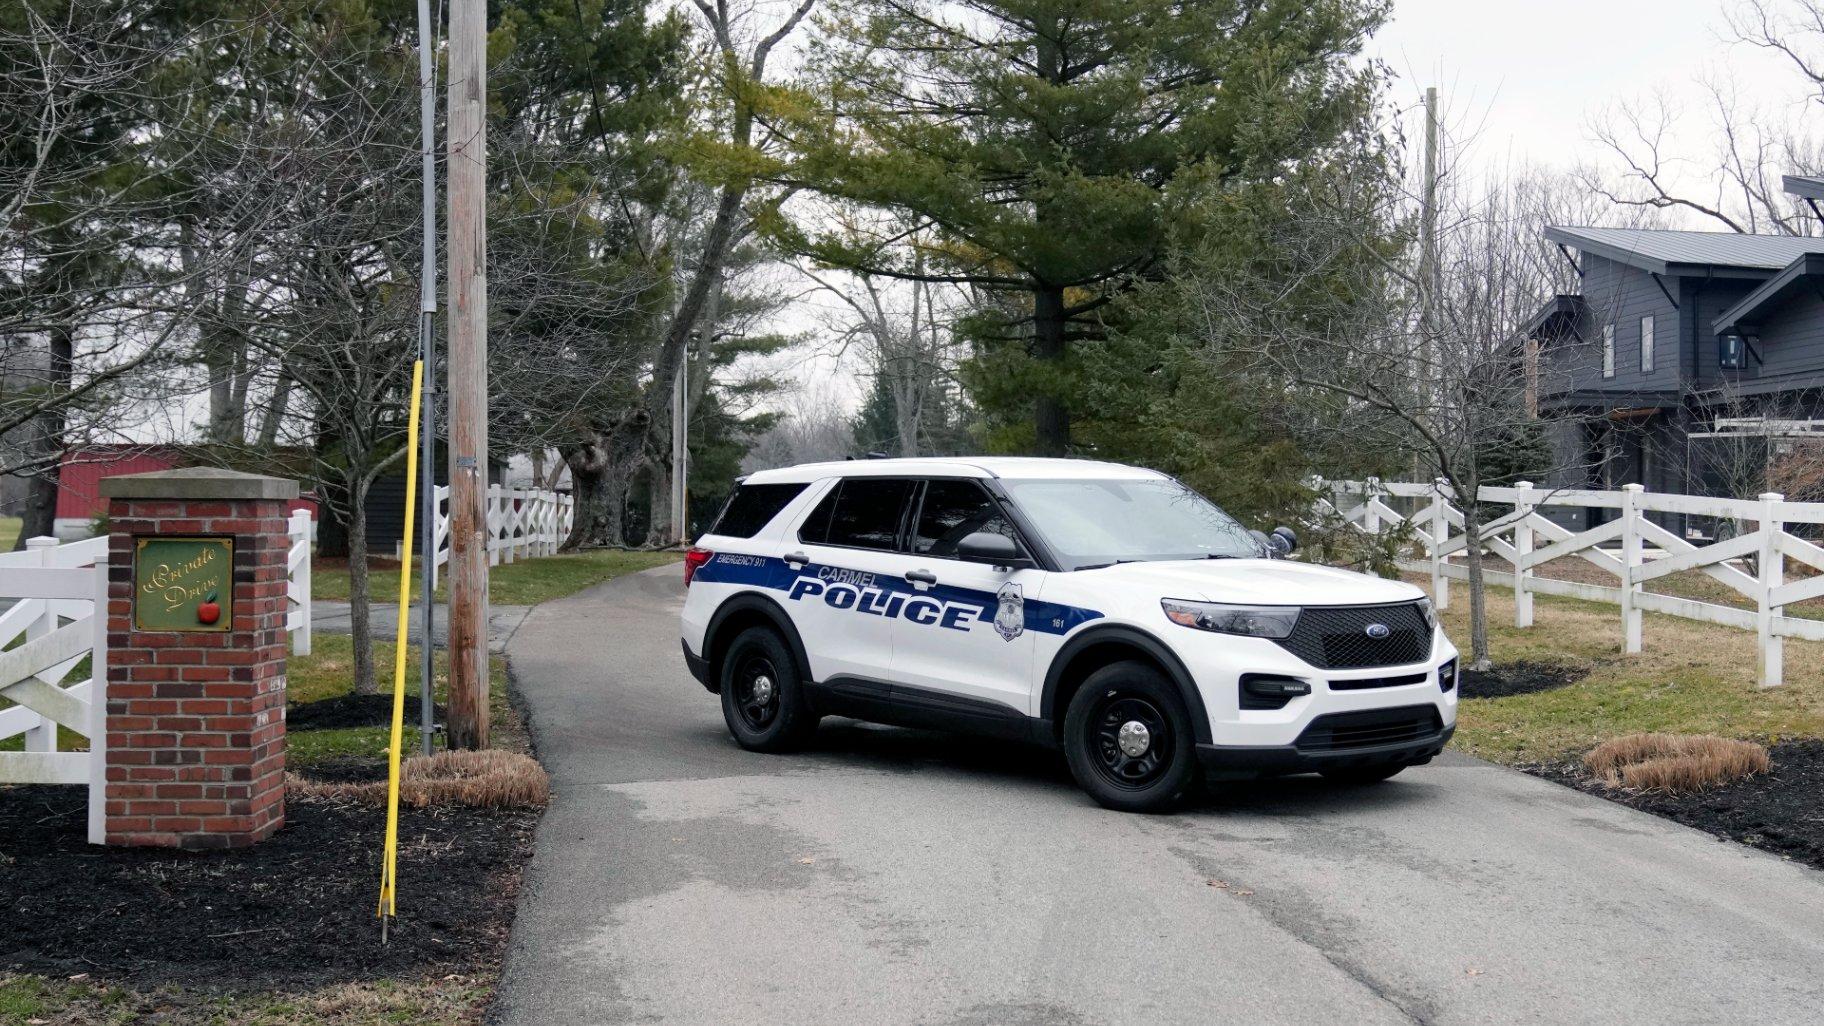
{"points": [[1559, 312], [1804, 186], [1664, 251], [1805, 273]]}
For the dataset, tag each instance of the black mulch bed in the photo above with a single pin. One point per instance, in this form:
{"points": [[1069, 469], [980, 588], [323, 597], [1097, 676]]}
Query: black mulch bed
{"points": [[353, 711], [1521, 678], [1780, 812], [295, 911]]}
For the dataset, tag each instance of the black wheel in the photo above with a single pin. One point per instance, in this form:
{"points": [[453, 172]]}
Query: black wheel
{"points": [[1361, 776], [1129, 741], [762, 697]]}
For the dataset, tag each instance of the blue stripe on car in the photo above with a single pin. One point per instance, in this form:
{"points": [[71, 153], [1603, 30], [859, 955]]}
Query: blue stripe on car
{"points": [[775, 574]]}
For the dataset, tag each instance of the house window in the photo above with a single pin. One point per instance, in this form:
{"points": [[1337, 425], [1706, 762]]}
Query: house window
{"points": [[1608, 350], [1646, 345]]}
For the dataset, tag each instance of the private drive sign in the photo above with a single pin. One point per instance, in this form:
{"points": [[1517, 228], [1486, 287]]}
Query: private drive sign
{"points": [[183, 584]]}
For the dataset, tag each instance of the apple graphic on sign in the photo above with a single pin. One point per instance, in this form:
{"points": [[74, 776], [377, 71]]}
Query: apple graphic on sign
{"points": [[208, 610]]}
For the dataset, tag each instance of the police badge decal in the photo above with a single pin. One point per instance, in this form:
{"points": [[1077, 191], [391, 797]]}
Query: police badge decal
{"points": [[1010, 611]]}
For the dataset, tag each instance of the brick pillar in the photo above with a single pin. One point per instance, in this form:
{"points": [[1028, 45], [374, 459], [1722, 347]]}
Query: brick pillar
{"points": [[196, 711]]}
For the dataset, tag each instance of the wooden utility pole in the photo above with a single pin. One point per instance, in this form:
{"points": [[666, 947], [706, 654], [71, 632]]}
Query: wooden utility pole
{"points": [[1429, 349], [468, 374], [1428, 249]]}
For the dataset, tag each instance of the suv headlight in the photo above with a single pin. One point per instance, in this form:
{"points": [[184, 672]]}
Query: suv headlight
{"points": [[1431, 617], [1249, 621]]}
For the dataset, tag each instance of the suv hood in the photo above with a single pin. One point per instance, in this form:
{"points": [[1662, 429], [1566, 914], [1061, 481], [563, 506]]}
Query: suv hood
{"points": [[1261, 582]]}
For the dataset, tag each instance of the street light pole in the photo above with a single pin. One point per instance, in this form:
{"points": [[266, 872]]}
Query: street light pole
{"points": [[680, 444], [468, 374]]}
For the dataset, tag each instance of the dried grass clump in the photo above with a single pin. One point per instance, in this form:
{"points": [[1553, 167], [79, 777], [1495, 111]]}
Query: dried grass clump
{"points": [[486, 779], [1674, 762]]}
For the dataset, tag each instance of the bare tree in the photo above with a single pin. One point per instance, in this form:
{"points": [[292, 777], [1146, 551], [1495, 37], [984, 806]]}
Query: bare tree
{"points": [[1737, 186], [814, 426], [726, 154], [905, 332], [1386, 359], [88, 303]]}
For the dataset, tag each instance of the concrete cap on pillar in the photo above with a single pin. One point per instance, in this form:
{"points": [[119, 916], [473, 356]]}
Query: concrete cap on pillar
{"points": [[198, 483]]}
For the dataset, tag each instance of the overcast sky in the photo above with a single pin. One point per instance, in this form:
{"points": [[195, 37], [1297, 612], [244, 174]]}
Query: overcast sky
{"points": [[1527, 78]]}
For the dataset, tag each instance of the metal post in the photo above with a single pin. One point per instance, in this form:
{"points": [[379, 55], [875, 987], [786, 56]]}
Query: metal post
{"points": [[680, 445], [427, 351]]}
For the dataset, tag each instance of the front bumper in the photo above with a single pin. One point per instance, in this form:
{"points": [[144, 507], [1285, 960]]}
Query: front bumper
{"points": [[1253, 739], [1277, 760]]}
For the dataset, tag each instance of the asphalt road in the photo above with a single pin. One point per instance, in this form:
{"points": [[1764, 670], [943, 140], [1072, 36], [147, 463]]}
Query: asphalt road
{"points": [[895, 876]]}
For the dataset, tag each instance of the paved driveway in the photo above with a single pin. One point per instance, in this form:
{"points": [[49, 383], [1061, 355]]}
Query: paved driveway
{"points": [[895, 876]]}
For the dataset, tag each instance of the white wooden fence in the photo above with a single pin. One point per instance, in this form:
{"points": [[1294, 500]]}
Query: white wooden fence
{"points": [[523, 523], [57, 618], [1631, 548]]}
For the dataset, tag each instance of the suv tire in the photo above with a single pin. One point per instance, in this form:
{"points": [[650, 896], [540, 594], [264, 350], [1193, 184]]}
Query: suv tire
{"points": [[763, 699], [1128, 739], [1362, 776]]}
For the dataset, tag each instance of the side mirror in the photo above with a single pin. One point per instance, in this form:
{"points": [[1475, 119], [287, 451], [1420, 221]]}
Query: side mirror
{"points": [[1281, 542], [988, 547]]}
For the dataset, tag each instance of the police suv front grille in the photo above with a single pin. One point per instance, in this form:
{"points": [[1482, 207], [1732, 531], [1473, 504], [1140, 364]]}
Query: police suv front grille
{"points": [[1337, 638], [1370, 728]]}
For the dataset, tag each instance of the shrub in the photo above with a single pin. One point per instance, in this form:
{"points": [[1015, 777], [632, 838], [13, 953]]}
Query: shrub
{"points": [[1674, 762], [486, 779]]}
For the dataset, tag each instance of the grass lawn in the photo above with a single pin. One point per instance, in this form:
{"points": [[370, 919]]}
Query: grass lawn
{"points": [[1691, 677], [525, 583], [9, 532], [328, 672], [30, 998]]}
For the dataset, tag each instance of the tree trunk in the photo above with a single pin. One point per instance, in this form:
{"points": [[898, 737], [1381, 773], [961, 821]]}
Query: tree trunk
{"points": [[1478, 592], [359, 614], [600, 484], [1051, 419], [40, 513], [275, 413], [658, 485]]}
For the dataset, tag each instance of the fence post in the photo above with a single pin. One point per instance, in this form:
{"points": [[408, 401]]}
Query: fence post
{"points": [[43, 737], [1773, 574], [1440, 533], [1523, 547], [299, 534], [1630, 562], [1371, 517]]}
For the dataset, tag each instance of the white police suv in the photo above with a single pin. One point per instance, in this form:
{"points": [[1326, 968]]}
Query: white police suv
{"points": [[1103, 609]]}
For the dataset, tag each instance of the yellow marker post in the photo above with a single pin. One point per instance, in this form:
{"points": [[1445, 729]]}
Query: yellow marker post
{"points": [[389, 866]]}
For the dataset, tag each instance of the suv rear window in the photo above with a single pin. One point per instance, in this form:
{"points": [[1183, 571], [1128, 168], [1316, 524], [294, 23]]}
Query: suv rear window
{"points": [[752, 507], [861, 512]]}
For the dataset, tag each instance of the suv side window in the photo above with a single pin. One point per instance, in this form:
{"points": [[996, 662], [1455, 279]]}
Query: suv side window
{"points": [[953, 510], [861, 512], [752, 507]]}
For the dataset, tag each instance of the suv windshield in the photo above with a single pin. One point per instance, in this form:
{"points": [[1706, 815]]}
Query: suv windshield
{"points": [[1094, 523]]}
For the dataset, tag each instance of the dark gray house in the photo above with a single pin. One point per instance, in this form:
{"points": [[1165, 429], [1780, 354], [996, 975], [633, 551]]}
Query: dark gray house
{"points": [[1678, 339]]}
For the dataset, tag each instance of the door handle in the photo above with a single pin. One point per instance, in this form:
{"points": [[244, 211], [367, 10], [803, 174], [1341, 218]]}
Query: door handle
{"points": [[921, 577], [796, 560]]}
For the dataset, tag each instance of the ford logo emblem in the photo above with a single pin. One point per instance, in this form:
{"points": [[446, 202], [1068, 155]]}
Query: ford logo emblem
{"points": [[1377, 630]]}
